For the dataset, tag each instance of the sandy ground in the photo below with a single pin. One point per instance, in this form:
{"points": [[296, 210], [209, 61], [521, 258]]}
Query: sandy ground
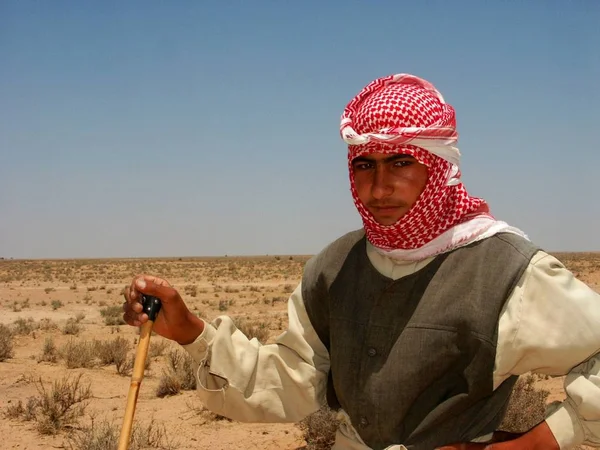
{"points": [[52, 292]]}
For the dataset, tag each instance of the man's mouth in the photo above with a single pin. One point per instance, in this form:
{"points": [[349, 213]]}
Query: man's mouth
{"points": [[386, 208]]}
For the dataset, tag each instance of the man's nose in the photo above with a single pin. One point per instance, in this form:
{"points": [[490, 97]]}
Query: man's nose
{"points": [[382, 186]]}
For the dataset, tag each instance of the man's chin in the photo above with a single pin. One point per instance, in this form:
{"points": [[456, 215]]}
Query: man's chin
{"points": [[387, 216], [386, 222]]}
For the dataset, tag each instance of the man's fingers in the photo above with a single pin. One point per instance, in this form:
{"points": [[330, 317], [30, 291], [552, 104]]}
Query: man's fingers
{"points": [[131, 298], [154, 286], [146, 284], [131, 292], [156, 280], [136, 319], [132, 313]]}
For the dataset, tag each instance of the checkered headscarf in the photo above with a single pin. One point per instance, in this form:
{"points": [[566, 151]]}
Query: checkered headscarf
{"points": [[405, 114]]}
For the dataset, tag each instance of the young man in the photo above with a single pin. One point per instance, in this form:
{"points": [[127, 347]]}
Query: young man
{"points": [[416, 327]]}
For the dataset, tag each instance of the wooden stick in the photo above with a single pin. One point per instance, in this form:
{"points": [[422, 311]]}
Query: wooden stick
{"points": [[136, 382]]}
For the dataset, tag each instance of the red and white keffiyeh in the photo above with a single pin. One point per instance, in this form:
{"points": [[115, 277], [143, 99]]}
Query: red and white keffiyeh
{"points": [[406, 114]]}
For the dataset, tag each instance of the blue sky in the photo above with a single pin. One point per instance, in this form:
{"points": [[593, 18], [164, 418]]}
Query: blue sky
{"points": [[207, 128]]}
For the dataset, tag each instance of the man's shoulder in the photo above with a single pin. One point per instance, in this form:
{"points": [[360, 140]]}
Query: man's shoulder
{"points": [[513, 244], [332, 257], [342, 245], [499, 249]]}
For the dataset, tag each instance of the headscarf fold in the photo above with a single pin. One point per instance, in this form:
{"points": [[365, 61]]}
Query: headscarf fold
{"points": [[402, 109], [406, 114]]}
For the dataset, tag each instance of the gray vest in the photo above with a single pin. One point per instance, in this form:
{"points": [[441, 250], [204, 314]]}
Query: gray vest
{"points": [[412, 359]]}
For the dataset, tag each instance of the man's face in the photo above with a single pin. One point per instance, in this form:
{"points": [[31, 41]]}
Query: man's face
{"points": [[388, 185]]}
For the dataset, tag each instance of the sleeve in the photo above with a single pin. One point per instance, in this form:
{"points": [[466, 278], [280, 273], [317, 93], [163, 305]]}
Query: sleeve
{"points": [[250, 382], [551, 325]]}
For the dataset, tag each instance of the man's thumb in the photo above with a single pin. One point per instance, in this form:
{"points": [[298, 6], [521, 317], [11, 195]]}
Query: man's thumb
{"points": [[156, 287]]}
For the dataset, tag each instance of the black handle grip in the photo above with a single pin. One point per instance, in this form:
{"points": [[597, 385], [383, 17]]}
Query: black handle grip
{"points": [[151, 306]]}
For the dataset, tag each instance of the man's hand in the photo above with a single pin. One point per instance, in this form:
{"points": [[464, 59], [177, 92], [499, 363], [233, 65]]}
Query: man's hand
{"points": [[174, 321], [538, 438]]}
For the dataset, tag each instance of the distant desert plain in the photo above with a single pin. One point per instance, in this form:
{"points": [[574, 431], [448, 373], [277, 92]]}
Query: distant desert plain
{"points": [[66, 355]]}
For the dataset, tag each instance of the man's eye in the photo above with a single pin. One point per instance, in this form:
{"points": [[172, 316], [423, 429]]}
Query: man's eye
{"points": [[362, 166], [402, 163]]}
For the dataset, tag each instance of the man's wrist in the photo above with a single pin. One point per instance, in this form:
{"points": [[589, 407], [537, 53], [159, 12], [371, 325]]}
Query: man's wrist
{"points": [[193, 328]]}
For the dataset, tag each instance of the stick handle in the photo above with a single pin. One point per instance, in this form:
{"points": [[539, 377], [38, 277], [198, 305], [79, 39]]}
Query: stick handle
{"points": [[136, 382]]}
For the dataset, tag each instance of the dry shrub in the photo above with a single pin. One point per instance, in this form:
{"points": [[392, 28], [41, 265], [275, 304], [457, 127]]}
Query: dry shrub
{"points": [[526, 406], [182, 364], [56, 409], [151, 436], [279, 298], [14, 411], [72, 327], [104, 435], [29, 413], [319, 428], [169, 384], [46, 324], [6, 343], [125, 367], [97, 436], [117, 352], [79, 354], [24, 327], [191, 290], [158, 348], [253, 329], [113, 315], [49, 351], [179, 375], [18, 411], [112, 352], [56, 304], [63, 405]]}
